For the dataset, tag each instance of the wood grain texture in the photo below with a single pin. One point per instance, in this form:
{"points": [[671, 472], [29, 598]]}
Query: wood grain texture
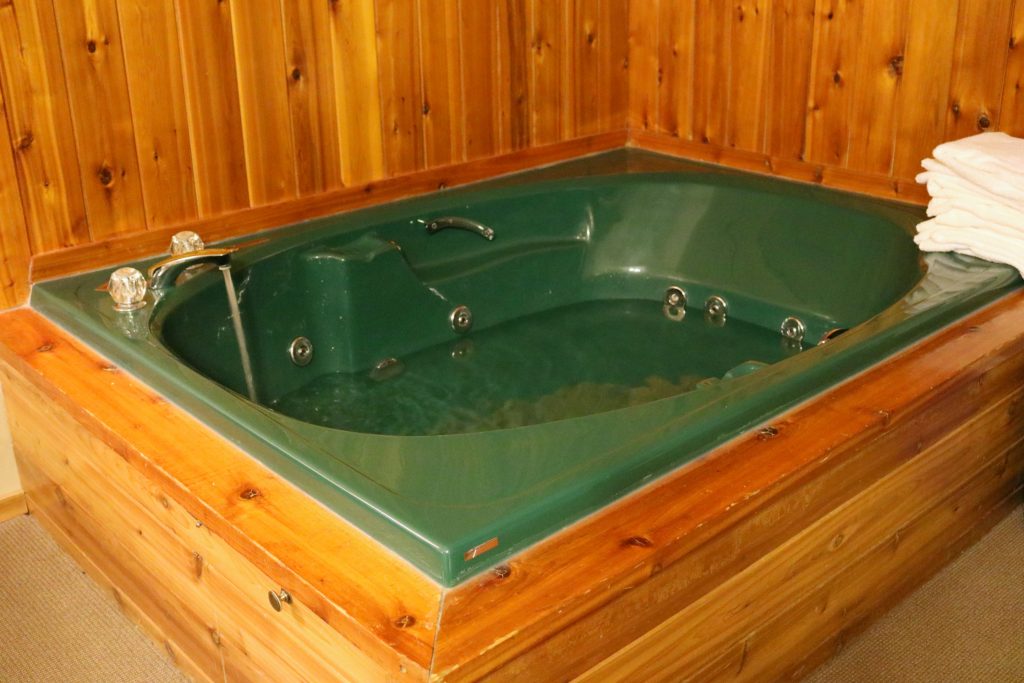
{"points": [[214, 112], [858, 89], [40, 128], [90, 45], [15, 249], [258, 39], [12, 505], [126, 116], [149, 35]]}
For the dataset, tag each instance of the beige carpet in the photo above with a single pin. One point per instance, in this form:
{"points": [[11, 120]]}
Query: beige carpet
{"points": [[56, 625], [966, 625]]}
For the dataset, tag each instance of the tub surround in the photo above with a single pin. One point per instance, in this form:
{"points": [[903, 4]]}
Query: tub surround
{"points": [[815, 528]]}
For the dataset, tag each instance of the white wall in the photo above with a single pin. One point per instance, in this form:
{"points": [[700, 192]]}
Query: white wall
{"points": [[9, 482]]}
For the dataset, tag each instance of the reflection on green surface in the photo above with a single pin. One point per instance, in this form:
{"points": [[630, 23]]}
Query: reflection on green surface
{"points": [[568, 362], [571, 388]]}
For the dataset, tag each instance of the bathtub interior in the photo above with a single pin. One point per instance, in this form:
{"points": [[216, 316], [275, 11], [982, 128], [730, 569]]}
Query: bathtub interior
{"points": [[566, 302], [576, 273]]}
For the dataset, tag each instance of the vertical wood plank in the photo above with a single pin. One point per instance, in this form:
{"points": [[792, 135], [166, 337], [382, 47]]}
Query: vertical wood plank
{"points": [[837, 36], [613, 69], [585, 28], [211, 100], [983, 37], [644, 63], [14, 246], [478, 35], [441, 75], [258, 30], [877, 79], [712, 60], [513, 19], [749, 27], [548, 99], [1011, 120], [39, 120], [149, 33], [312, 101], [570, 76], [789, 77], [353, 36], [675, 67], [401, 94], [90, 43], [923, 95]]}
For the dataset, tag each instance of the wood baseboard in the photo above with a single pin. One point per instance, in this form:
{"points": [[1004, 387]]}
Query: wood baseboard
{"points": [[13, 505], [246, 221], [874, 184]]}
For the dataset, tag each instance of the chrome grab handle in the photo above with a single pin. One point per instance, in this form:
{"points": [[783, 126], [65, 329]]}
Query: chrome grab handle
{"points": [[165, 272], [469, 224]]}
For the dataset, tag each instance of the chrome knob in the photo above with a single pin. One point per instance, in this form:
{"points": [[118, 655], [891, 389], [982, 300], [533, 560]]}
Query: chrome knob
{"points": [[185, 242], [127, 287], [277, 600]]}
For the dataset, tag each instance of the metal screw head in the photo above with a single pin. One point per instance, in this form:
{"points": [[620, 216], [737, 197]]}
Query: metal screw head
{"points": [[461, 319], [674, 296], [716, 307], [301, 351], [278, 600]]}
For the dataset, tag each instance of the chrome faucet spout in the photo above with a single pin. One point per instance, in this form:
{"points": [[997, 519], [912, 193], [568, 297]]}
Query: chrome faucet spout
{"points": [[164, 273], [438, 224]]}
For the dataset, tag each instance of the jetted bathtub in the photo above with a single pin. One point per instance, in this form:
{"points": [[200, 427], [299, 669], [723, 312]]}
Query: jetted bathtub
{"points": [[459, 396]]}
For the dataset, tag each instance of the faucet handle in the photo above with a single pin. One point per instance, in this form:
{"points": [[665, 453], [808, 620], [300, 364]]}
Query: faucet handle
{"points": [[185, 242], [127, 287]]}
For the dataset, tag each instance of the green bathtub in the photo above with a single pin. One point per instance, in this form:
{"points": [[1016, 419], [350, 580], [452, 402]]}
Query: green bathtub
{"points": [[460, 397]]}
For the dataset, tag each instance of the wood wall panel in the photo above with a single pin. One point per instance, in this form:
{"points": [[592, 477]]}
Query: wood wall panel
{"points": [[90, 46], [857, 91], [124, 116], [39, 127]]}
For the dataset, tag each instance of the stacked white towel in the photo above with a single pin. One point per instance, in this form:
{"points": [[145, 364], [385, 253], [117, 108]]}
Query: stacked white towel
{"points": [[977, 205]]}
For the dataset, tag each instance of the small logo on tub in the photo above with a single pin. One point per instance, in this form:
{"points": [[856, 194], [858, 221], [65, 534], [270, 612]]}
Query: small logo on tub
{"points": [[478, 550]]}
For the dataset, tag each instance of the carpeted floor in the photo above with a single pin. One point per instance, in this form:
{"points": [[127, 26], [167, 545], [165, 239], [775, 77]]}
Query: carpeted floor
{"points": [[56, 625], [964, 626]]}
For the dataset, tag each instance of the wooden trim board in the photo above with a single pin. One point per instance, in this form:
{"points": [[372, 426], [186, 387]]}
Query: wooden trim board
{"points": [[836, 177], [13, 505], [246, 221], [832, 503]]}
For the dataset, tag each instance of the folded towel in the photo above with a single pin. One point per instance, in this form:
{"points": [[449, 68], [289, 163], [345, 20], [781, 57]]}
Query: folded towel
{"points": [[994, 161], [943, 181], [969, 213], [978, 242]]}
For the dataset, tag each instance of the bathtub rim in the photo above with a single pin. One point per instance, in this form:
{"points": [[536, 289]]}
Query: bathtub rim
{"points": [[63, 367]]}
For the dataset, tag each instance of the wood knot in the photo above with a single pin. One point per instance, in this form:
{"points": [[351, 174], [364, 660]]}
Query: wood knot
{"points": [[45, 348], [197, 565], [26, 140], [765, 433], [502, 571], [637, 542], [249, 494], [106, 175], [90, 46], [426, 108], [955, 108], [591, 37], [984, 121], [896, 65], [405, 621], [296, 74], [215, 636], [837, 78]]}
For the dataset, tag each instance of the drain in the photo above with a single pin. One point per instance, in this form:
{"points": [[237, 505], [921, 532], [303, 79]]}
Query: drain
{"points": [[793, 328], [461, 319], [301, 351]]}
